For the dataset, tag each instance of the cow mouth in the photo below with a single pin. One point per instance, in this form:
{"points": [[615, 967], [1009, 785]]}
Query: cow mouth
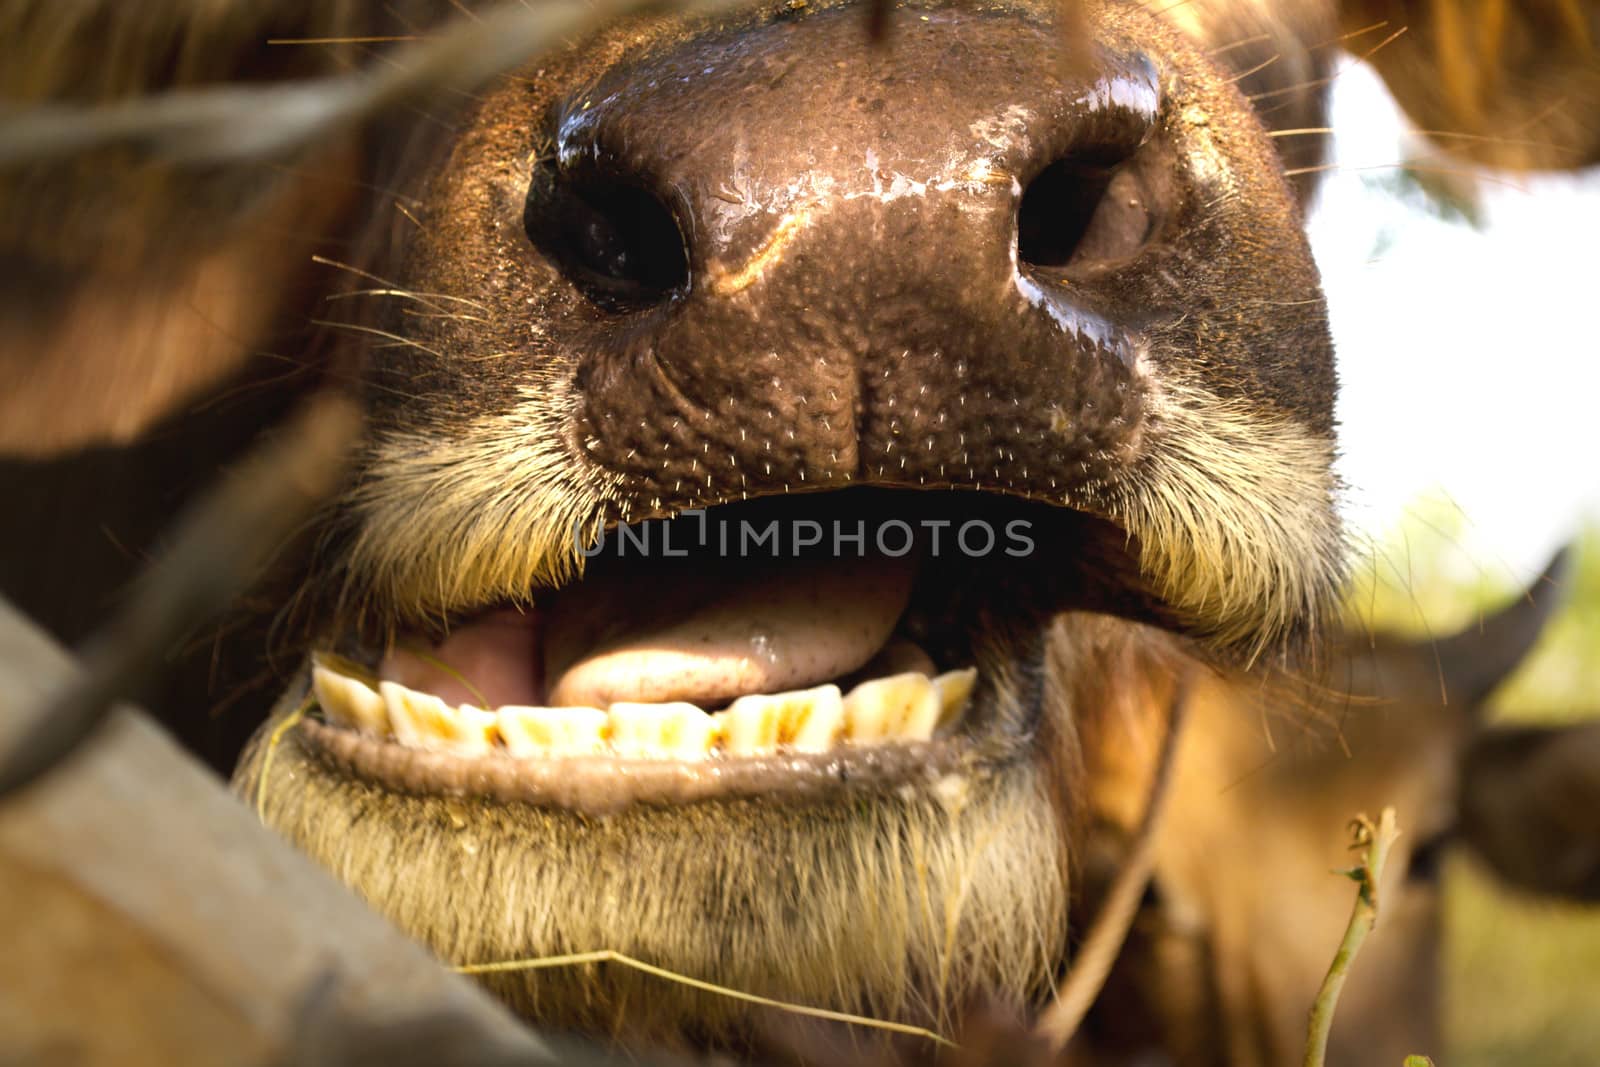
{"points": [[850, 638]]}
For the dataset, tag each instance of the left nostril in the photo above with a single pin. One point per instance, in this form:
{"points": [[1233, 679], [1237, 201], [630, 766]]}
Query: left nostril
{"points": [[1085, 208], [615, 239]]}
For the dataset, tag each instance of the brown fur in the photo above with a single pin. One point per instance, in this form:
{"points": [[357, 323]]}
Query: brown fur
{"points": [[908, 904], [1232, 505], [488, 447], [1508, 83], [1222, 967], [129, 286], [1244, 909]]}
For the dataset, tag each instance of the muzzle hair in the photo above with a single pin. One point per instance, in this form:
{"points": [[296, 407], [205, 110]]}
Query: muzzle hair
{"points": [[480, 516], [1235, 514]]}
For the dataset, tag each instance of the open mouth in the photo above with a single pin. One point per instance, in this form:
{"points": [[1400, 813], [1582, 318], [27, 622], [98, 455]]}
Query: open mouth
{"points": [[857, 637]]}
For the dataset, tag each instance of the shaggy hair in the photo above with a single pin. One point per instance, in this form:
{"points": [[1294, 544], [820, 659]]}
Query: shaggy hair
{"points": [[910, 905], [1234, 513]]}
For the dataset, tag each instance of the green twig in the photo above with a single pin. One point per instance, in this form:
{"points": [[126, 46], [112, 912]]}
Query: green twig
{"points": [[1377, 841]]}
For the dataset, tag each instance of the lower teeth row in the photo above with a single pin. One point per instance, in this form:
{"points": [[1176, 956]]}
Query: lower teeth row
{"points": [[900, 707]]}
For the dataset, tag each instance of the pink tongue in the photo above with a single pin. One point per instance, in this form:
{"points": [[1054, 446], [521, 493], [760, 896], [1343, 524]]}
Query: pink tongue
{"points": [[785, 624], [490, 662]]}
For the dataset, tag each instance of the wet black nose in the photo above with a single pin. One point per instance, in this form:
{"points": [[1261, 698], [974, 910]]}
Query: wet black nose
{"points": [[811, 260], [700, 165], [621, 241]]}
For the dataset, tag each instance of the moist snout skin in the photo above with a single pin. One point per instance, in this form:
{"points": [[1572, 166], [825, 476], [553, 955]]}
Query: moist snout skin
{"points": [[757, 267]]}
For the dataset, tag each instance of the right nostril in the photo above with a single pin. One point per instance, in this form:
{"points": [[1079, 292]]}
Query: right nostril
{"points": [[614, 239], [1080, 209]]}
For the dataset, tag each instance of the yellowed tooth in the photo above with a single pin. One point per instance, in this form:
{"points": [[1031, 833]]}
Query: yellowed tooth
{"points": [[751, 725], [815, 720], [422, 720], [545, 732], [477, 729], [809, 720], [955, 690], [660, 731], [899, 706], [348, 702]]}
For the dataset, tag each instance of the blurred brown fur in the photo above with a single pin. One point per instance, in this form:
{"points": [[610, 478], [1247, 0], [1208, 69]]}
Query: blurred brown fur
{"points": [[1246, 909], [130, 285], [1504, 83]]}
